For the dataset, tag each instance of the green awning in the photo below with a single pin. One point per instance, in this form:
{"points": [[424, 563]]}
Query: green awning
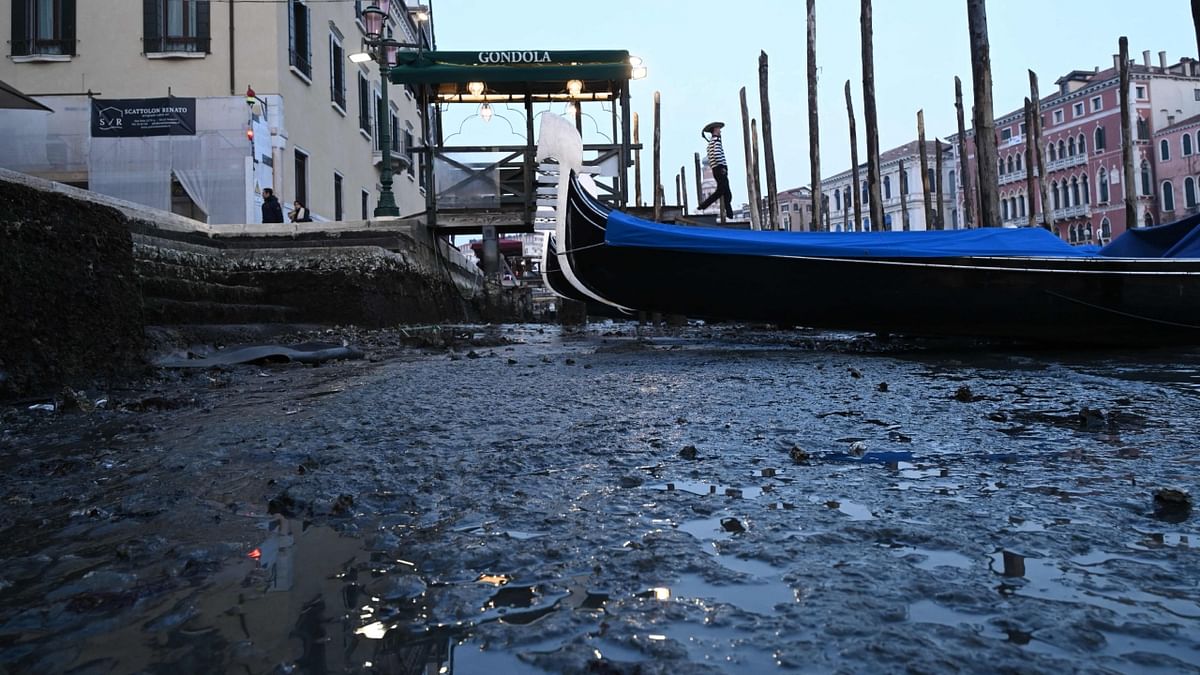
{"points": [[500, 67]]}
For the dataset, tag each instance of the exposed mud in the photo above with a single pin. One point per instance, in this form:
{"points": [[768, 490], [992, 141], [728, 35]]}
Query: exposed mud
{"points": [[615, 500]]}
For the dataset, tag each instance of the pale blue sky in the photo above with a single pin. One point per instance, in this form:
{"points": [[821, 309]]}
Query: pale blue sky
{"points": [[701, 52]]}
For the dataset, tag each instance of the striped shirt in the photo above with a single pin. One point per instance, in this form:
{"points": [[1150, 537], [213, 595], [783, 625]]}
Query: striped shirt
{"points": [[716, 152]]}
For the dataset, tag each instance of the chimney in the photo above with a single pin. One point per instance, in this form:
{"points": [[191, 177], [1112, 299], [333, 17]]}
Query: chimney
{"points": [[1162, 60], [1117, 61], [1146, 58]]}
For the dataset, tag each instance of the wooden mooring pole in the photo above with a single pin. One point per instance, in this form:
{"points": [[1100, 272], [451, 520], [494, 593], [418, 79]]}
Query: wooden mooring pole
{"points": [[751, 179], [814, 126], [855, 189], [926, 196], [871, 118], [658, 190], [637, 164], [683, 188], [757, 204], [1039, 154], [1128, 187], [964, 177], [764, 100], [903, 187], [985, 128], [939, 213], [1030, 163]]}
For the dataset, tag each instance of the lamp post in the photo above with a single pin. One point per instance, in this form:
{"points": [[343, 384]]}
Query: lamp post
{"points": [[382, 48]]}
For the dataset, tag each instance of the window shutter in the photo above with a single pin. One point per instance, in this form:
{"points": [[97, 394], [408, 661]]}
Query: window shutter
{"points": [[151, 35], [308, 39], [291, 13], [20, 27], [203, 26], [68, 27]]}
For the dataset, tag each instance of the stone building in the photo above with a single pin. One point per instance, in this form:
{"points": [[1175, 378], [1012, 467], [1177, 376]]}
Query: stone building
{"points": [[901, 190], [1081, 142], [196, 106]]}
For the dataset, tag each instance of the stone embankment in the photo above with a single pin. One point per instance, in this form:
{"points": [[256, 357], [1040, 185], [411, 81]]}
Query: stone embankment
{"points": [[83, 275]]}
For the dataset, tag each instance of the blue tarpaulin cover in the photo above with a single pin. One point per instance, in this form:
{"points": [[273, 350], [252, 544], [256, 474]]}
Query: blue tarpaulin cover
{"points": [[1180, 239], [626, 230]]}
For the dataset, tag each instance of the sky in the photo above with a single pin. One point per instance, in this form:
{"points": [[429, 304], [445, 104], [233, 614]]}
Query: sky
{"points": [[701, 52]]}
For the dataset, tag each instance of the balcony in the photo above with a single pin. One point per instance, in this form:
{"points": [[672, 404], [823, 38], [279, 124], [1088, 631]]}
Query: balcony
{"points": [[1072, 212], [1067, 162], [1013, 177]]}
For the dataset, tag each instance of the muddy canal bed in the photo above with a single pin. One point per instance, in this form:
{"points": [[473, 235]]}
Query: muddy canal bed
{"points": [[614, 500]]}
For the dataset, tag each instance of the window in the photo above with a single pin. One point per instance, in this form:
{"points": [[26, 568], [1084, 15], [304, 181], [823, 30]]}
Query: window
{"points": [[1168, 196], [887, 187], [1006, 133], [364, 199], [1058, 117], [1164, 150], [395, 132], [1062, 150], [1000, 166], [1098, 142], [410, 155], [1197, 93], [301, 177], [1186, 142], [931, 177], [1009, 164], [1022, 128], [1004, 210], [1057, 199], [1098, 103], [837, 200], [1140, 92], [1087, 196], [300, 40], [1075, 192], [903, 181], [1020, 162], [1071, 146], [1021, 205], [337, 73], [1105, 230], [1102, 179], [1077, 109], [43, 27], [364, 105], [1050, 152], [1082, 145], [1146, 178], [1189, 192], [1148, 221], [175, 26], [338, 204], [953, 186], [1143, 129]]}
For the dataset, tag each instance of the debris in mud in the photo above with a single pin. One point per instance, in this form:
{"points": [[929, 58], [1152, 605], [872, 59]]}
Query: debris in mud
{"points": [[472, 354], [342, 505], [858, 448], [689, 452], [882, 386], [799, 455], [1091, 418], [1172, 505], [855, 372], [731, 524], [964, 395], [630, 481], [1014, 564]]}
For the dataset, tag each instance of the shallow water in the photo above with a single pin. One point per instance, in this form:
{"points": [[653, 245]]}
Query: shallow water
{"points": [[530, 510]]}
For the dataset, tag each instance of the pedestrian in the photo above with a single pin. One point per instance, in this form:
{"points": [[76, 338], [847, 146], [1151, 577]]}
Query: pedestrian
{"points": [[272, 212], [719, 167], [299, 213]]}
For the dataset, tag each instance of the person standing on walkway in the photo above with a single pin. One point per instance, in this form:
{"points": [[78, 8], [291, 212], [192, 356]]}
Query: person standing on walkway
{"points": [[719, 167], [272, 212]]}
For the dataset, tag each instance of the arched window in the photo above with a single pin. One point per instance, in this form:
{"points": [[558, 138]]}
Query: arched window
{"points": [[1146, 178], [1102, 180], [1164, 150], [1020, 163], [1010, 163], [887, 187], [1057, 199], [953, 185], [1143, 129], [1051, 153], [1148, 220], [1062, 150], [1098, 142], [1082, 144], [1087, 198], [866, 195], [1001, 166], [1075, 192], [846, 199], [1105, 230], [904, 182], [932, 175], [1071, 146], [1004, 209], [837, 200], [1021, 206], [1168, 196], [1189, 192], [1088, 232], [1186, 142], [1074, 234]]}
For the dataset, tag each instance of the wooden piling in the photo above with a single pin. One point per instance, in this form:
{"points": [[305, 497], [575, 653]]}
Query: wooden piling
{"points": [[751, 182], [964, 177], [903, 187], [925, 193], [1039, 152], [757, 205], [683, 188], [1030, 163], [814, 126], [764, 101], [855, 189], [985, 126], [1196, 22], [678, 191], [658, 193], [1129, 185], [870, 118], [699, 184], [637, 163], [939, 213]]}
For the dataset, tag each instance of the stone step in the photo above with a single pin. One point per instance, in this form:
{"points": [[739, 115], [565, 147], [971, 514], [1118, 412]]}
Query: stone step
{"points": [[187, 290], [167, 311]]}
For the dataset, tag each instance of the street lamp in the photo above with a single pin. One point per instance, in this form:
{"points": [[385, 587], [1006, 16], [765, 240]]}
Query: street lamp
{"points": [[382, 49]]}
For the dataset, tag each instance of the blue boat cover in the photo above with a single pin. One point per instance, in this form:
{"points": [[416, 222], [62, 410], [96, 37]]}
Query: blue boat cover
{"points": [[626, 230], [1180, 239]]}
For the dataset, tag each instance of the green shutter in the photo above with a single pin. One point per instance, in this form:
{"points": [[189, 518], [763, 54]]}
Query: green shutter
{"points": [[151, 36], [203, 26], [20, 28], [68, 27]]}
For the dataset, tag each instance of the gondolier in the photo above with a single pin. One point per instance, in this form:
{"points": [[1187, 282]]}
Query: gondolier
{"points": [[719, 167]]}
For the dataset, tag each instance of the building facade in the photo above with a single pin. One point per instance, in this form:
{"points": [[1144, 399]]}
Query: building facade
{"points": [[1081, 144], [197, 106], [901, 189], [795, 210]]}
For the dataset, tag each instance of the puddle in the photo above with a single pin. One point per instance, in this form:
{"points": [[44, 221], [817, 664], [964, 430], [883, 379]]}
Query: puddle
{"points": [[705, 489], [928, 611], [928, 559]]}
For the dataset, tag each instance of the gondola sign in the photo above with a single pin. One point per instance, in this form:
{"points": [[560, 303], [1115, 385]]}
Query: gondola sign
{"points": [[125, 117]]}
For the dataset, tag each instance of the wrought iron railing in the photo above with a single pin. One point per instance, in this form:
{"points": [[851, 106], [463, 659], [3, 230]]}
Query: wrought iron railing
{"points": [[300, 62], [160, 45], [43, 47]]}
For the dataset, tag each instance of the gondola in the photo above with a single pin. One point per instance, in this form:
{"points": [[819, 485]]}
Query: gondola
{"points": [[1021, 284]]}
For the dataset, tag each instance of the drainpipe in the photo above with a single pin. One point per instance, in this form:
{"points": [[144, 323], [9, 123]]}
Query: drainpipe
{"points": [[232, 81]]}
